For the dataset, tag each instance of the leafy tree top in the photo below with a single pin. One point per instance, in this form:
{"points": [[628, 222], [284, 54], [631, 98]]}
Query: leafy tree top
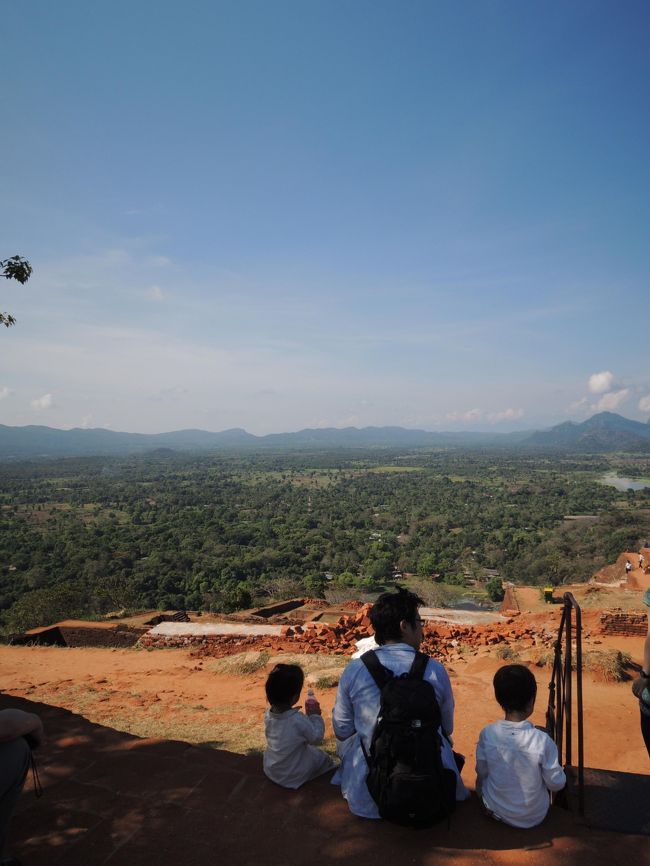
{"points": [[14, 268]]}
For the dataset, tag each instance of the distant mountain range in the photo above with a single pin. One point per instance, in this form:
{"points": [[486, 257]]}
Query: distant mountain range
{"points": [[606, 431]]}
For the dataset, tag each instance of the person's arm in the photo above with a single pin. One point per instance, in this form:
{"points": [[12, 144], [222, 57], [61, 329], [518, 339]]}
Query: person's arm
{"points": [[16, 723], [312, 728], [343, 712], [552, 772], [481, 764], [445, 701], [642, 682]]}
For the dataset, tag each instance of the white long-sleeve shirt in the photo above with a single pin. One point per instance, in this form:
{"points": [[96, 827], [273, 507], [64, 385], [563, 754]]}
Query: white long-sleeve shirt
{"points": [[516, 766], [290, 758], [355, 715]]}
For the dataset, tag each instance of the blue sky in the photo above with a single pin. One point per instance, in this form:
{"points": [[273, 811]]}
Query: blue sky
{"points": [[290, 214]]}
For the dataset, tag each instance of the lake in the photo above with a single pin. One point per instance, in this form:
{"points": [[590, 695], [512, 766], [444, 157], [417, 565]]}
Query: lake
{"points": [[619, 483]]}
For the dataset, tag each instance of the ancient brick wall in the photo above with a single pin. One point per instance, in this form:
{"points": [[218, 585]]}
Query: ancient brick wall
{"points": [[627, 624], [121, 636]]}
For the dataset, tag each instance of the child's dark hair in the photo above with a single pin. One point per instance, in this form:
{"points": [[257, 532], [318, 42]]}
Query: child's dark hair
{"points": [[514, 687], [284, 683], [389, 610]]}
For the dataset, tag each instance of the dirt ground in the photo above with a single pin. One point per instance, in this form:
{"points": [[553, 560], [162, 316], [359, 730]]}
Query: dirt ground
{"points": [[171, 694], [132, 800], [587, 595]]}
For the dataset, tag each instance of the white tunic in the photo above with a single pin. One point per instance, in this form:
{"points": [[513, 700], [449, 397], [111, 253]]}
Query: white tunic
{"points": [[290, 758], [355, 714], [517, 765]]}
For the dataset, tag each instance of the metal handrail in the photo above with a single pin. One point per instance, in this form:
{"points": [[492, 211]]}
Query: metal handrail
{"points": [[559, 715]]}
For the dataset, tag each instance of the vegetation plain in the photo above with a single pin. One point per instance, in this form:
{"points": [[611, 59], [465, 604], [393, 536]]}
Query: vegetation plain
{"points": [[87, 536]]}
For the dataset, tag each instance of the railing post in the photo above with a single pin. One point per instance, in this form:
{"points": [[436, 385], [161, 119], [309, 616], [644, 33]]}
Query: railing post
{"points": [[568, 690], [581, 757], [559, 715]]}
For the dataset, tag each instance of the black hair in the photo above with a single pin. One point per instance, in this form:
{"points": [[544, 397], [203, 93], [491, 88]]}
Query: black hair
{"points": [[284, 683], [388, 612], [514, 687]]}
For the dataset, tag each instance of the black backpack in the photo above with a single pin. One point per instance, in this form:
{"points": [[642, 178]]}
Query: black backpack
{"points": [[406, 778]]}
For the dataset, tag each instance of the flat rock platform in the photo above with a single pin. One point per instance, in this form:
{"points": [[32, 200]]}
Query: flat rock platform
{"points": [[195, 629], [111, 798]]}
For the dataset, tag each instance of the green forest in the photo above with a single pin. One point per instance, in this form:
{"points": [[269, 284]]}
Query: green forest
{"points": [[93, 535]]}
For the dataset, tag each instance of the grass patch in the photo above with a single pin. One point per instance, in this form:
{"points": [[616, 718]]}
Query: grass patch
{"points": [[391, 470], [245, 664], [507, 653], [327, 681], [240, 665], [313, 665], [608, 665], [329, 745], [542, 658]]}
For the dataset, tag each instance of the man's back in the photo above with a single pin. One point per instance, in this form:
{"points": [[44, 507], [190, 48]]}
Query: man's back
{"points": [[355, 715]]}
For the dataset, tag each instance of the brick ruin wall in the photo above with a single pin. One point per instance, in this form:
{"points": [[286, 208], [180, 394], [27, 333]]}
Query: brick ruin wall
{"points": [[215, 644], [441, 640], [626, 624], [122, 636]]}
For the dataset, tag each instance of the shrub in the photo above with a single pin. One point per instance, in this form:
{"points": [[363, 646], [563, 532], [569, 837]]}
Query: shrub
{"points": [[507, 653], [494, 588], [454, 579]]}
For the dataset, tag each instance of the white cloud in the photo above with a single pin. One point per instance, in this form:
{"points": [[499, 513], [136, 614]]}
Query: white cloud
{"points": [[469, 415], [581, 405], [44, 402], [644, 404], [85, 421], [610, 402], [5, 392], [600, 382], [155, 293], [506, 415]]}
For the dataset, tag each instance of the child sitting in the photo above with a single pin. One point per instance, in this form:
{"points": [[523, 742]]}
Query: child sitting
{"points": [[289, 759], [516, 763]]}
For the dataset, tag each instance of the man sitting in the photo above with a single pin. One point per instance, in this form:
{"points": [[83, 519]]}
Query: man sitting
{"points": [[398, 631], [641, 686], [19, 732]]}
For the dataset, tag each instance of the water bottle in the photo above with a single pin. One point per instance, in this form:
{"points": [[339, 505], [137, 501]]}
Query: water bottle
{"points": [[310, 702]]}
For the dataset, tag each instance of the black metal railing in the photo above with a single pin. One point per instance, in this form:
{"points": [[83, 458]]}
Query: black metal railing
{"points": [[559, 715]]}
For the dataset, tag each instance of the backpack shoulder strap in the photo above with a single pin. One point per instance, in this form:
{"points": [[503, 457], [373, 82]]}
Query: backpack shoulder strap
{"points": [[377, 671], [419, 666]]}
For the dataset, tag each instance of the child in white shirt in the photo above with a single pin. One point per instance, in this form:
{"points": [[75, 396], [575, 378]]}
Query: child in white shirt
{"points": [[516, 763], [290, 758]]}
